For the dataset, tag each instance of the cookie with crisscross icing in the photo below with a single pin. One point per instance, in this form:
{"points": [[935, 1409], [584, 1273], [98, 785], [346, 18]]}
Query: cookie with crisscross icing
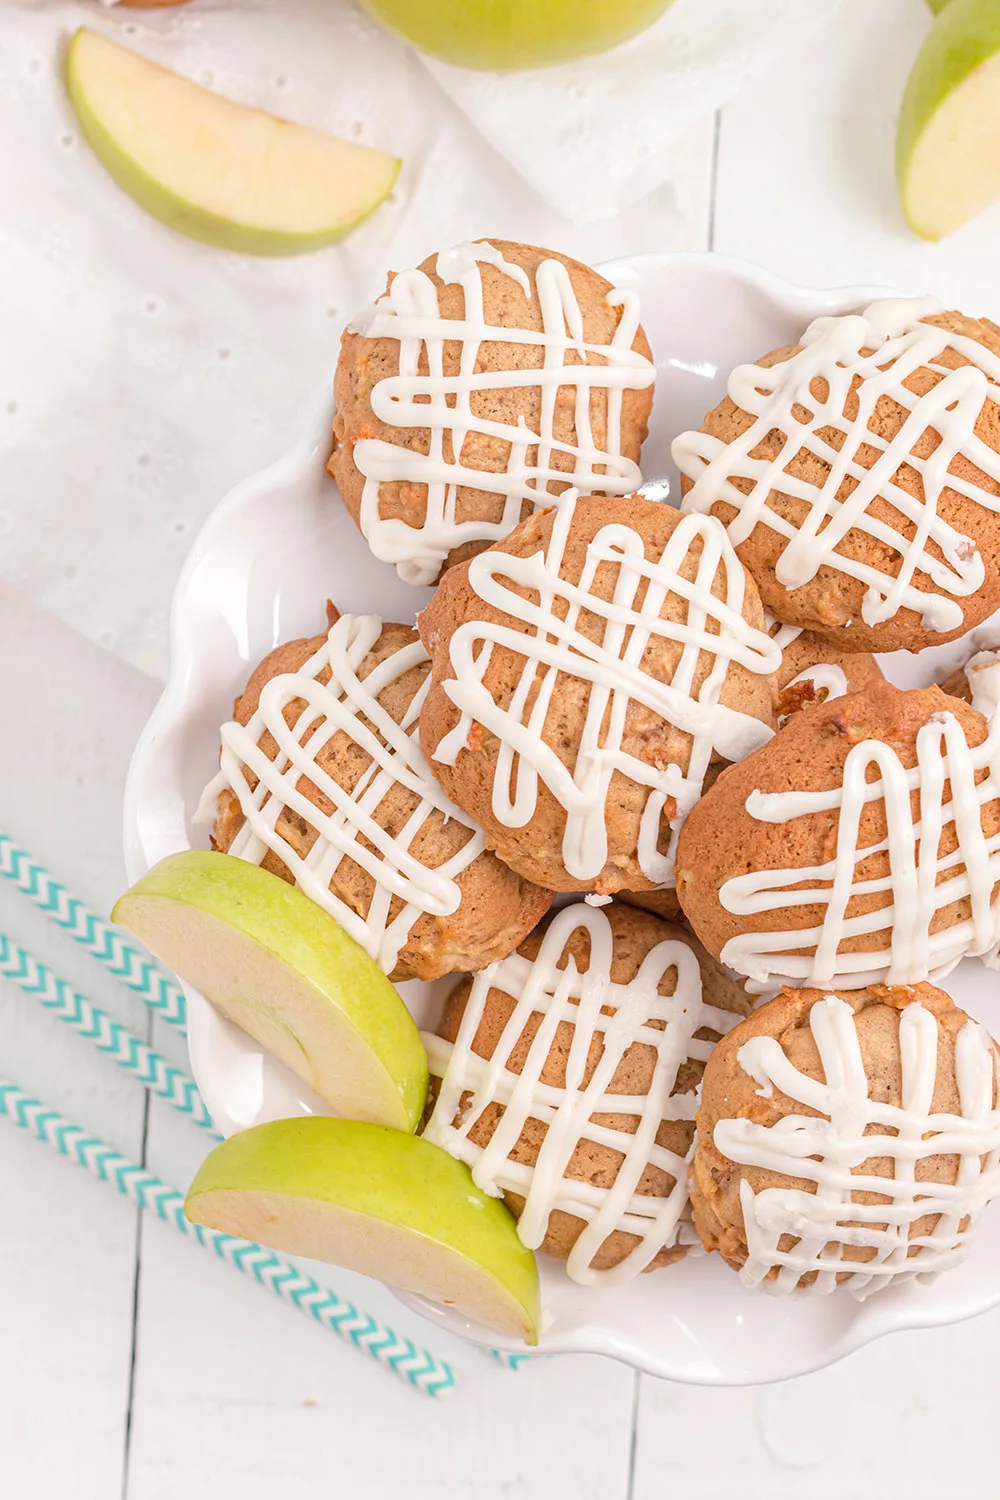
{"points": [[478, 387], [847, 1139], [588, 673], [858, 474], [323, 782], [861, 846], [568, 1078]]}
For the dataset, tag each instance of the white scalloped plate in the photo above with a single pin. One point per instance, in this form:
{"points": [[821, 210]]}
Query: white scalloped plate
{"points": [[265, 561]]}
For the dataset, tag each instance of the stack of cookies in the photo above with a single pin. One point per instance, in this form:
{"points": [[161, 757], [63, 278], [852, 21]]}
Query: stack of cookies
{"points": [[668, 725]]}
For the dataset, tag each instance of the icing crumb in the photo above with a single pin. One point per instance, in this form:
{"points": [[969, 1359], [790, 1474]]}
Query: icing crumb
{"points": [[593, 899]]}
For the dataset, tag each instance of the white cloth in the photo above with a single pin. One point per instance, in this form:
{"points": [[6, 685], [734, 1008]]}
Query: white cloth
{"points": [[142, 374], [596, 135]]}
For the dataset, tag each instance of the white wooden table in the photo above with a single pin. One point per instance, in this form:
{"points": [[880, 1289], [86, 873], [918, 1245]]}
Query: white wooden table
{"points": [[131, 1365]]}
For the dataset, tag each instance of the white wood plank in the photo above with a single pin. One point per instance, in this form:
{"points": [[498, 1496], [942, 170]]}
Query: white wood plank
{"points": [[904, 1417], [805, 187], [238, 1397], [67, 1243], [806, 181]]}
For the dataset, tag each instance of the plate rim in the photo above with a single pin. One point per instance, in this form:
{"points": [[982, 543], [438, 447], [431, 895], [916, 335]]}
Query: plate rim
{"points": [[902, 1315]]}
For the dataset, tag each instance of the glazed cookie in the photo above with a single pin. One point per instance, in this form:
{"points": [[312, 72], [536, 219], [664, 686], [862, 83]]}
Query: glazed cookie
{"points": [[568, 1077], [858, 474], [861, 846], [587, 671], [662, 902], [477, 388], [813, 672], [322, 782], [781, 1183]]}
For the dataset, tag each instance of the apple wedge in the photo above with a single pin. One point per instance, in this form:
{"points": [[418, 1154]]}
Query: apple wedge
{"points": [[215, 170], [389, 1205], [948, 138], [284, 971]]}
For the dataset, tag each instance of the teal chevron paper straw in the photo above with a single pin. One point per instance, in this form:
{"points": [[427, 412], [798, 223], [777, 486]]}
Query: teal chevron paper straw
{"points": [[512, 1361], [139, 975], [161, 1077], [161, 993], [416, 1366]]}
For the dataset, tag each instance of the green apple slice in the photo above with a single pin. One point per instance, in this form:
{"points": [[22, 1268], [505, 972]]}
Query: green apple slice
{"points": [[392, 1206], [215, 170], [278, 966], [948, 139]]}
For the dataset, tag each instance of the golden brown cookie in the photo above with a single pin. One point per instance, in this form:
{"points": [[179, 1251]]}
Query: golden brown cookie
{"points": [[858, 474], [575, 707], [813, 672], [322, 782], [600, 1003], [662, 902], [778, 1183], [432, 487], [783, 869]]}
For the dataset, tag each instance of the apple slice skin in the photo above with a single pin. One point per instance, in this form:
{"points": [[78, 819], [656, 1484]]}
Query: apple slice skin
{"points": [[285, 924], [505, 35], [190, 219], [264, 1184], [964, 37]]}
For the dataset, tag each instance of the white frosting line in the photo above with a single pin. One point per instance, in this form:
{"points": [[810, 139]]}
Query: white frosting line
{"points": [[442, 403], [825, 1151], [919, 883], [345, 704], [558, 996], [827, 679], [899, 344], [613, 669]]}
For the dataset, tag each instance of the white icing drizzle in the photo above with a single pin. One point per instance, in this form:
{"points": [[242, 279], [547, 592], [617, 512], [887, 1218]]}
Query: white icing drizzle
{"points": [[920, 882], [825, 1151], [822, 674], [782, 635], [554, 647], [899, 343], [345, 704], [826, 677], [559, 996], [408, 312]]}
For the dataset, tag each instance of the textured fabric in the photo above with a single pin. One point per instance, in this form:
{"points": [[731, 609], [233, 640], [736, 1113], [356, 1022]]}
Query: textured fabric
{"points": [[142, 374], [601, 130]]}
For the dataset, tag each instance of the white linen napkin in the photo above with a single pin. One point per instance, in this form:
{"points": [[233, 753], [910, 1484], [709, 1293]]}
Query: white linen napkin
{"points": [[143, 374], [592, 137]]}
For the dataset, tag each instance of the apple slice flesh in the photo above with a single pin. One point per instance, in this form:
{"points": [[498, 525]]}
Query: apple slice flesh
{"points": [[948, 139], [213, 169], [284, 971], [389, 1205]]}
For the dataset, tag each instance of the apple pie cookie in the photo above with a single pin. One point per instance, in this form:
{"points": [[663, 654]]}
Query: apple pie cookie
{"points": [[568, 1077], [323, 782], [478, 387], [588, 672], [859, 475], [847, 1139], [861, 846]]}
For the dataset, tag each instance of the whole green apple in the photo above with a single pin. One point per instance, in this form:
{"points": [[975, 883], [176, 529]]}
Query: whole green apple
{"points": [[501, 35]]}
